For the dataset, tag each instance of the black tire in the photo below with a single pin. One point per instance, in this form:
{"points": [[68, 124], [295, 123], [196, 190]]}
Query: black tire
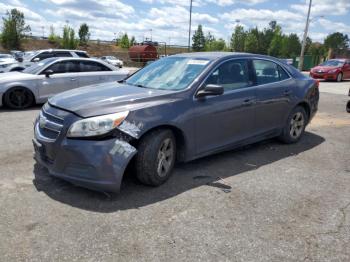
{"points": [[348, 107], [339, 77], [151, 155], [18, 98], [295, 126]]}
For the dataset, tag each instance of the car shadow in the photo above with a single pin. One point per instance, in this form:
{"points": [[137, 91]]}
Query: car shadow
{"points": [[31, 108], [209, 171]]}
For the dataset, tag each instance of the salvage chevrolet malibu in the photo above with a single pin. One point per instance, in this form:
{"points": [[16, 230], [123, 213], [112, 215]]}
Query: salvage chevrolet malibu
{"points": [[176, 109]]}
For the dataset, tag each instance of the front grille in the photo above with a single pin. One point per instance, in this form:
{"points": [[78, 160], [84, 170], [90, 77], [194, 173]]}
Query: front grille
{"points": [[50, 123]]}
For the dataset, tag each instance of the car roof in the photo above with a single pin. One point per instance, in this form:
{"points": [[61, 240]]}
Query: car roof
{"points": [[56, 50], [218, 55], [75, 58]]}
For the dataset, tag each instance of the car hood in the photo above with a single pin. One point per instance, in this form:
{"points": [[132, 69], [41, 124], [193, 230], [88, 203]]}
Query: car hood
{"points": [[325, 68], [15, 76], [108, 98]]}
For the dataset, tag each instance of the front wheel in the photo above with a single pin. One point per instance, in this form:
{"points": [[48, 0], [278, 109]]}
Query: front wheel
{"points": [[156, 157], [348, 107], [339, 77], [295, 127], [18, 98]]}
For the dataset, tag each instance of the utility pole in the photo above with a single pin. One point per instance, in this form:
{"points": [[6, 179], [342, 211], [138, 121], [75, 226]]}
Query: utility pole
{"points": [[189, 28], [303, 45]]}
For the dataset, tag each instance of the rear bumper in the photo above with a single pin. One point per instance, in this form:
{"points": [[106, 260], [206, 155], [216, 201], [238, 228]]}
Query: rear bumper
{"points": [[97, 165]]}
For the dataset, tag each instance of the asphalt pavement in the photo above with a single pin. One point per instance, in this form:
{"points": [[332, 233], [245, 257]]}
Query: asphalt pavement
{"points": [[265, 202]]}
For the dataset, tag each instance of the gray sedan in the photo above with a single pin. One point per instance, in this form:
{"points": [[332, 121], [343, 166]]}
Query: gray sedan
{"points": [[37, 83]]}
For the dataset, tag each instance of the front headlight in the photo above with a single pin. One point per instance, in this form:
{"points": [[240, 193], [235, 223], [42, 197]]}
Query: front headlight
{"points": [[95, 126], [332, 71]]}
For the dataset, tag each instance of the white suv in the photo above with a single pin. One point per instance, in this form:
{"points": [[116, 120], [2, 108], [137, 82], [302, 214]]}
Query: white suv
{"points": [[32, 57]]}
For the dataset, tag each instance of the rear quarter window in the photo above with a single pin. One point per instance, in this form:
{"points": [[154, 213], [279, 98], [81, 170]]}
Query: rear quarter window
{"points": [[82, 54]]}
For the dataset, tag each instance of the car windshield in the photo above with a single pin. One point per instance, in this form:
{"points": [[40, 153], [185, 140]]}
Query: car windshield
{"points": [[111, 57], [172, 73], [333, 63], [37, 67]]}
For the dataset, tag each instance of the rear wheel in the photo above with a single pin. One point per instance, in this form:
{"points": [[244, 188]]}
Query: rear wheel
{"points": [[156, 157], [295, 126], [348, 107], [18, 98], [339, 77]]}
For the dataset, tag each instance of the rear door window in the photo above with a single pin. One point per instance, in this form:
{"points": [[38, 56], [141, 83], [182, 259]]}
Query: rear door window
{"points": [[82, 54], [91, 66], [62, 54], [44, 55], [268, 72], [63, 67]]}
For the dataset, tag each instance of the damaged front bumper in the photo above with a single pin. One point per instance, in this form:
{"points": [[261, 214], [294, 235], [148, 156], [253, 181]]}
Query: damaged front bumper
{"points": [[97, 165]]}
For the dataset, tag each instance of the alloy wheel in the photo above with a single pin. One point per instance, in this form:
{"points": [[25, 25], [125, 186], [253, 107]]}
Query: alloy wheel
{"points": [[20, 98], [296, 125], [165, 157]]}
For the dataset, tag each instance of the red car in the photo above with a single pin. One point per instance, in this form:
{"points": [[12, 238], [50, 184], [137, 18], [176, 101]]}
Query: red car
{"points": [[333, 69]]}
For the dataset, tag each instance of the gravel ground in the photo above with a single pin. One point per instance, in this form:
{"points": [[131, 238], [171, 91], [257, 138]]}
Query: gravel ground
{"points": [[265, 202]]}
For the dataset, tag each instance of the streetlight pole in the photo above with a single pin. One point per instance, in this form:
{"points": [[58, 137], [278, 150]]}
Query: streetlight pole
{"points": [[189, 28], [303, 45]]}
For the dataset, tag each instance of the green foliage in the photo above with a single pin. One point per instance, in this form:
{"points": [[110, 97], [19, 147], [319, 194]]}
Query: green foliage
{"points": [[251, 43], [291, 46], [198, 40], [68, 39], [14, 29], [53, 38], [124, 41], [213, 44], [84, 34], [276, 42], [337, 41], [238, 39], [132, 41]]}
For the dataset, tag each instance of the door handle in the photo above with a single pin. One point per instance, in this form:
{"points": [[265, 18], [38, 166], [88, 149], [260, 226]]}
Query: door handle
{"points": [[248, 102], [287, 92], [73, 79]]}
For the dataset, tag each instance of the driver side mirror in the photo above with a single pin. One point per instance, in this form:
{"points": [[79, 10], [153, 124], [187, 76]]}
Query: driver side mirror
{"points": [[210, 90], [48, 73], [37, 59]]}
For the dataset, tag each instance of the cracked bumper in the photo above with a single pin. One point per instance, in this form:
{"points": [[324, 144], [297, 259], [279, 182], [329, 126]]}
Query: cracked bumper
{"points": [[97, 165]]}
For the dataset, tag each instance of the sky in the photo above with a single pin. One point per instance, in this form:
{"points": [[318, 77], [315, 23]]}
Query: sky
{"points": [[168, 20]]}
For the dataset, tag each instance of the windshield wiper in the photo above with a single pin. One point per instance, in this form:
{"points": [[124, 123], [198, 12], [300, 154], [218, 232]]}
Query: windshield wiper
{"points": [[121, 81]]}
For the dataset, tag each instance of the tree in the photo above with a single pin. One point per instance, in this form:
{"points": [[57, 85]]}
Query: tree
{"points": [[84, 34], [14, 29], [291, 46], [68, 38], [251, 44], [124, 41], [276, 42], [132, 41], [198, 40], [337, 41], [238, 39], [53, 38], [213, 44]]}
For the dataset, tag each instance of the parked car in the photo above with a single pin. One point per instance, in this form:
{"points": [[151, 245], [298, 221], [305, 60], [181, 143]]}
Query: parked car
{"points": [[178, 108], [333, 69], [113, 61], [35, 84], [6, 59], [32, 57]]}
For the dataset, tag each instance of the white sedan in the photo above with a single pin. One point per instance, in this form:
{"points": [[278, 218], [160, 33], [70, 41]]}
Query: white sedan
{"points": [[35, 84]]}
